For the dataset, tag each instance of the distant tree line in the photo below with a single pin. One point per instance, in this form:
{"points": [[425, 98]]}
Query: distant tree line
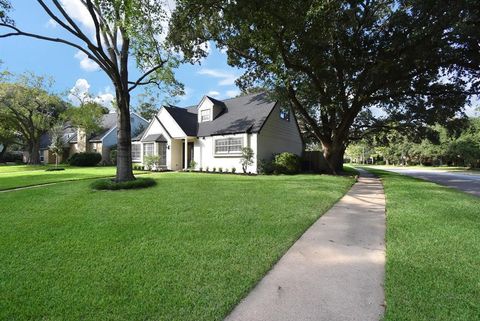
{"points": [[458, 148]]}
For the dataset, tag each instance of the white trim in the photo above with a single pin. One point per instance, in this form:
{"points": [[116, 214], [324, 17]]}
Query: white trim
{"points": [[227, 153]]}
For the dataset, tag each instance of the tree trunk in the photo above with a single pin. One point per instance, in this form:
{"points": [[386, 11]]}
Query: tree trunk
{"points": [[2, 152], [124, 141], [333, 155], [34, 150]]}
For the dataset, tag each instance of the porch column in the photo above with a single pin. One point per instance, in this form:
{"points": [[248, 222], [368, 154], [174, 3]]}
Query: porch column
{"points": [[186, 153]]}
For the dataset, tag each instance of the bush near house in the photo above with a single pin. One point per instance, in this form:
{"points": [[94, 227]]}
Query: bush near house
{"points": [[84, 159], [287, 163], [283, 163]]}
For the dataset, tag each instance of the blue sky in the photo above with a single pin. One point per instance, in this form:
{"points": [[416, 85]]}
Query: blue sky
{"points": [[69, 68]]}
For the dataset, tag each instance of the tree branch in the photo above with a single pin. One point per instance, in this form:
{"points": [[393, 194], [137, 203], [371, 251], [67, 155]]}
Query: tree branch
{"points": [[18, 32], [140, 81]]}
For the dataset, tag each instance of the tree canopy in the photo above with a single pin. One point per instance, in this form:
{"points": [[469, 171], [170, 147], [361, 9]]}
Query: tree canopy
{"points": [[29, 108], [123, 29], [347, 68]]}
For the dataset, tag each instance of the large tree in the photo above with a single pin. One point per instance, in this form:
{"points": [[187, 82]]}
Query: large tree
{"points": [[122, 29], [28, 108], [338, 62]]}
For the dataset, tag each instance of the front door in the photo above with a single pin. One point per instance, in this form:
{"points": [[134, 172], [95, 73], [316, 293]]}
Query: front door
{"points": [[189, 154]]}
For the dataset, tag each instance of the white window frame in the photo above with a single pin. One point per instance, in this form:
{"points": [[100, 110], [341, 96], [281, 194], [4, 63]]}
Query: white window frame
{"points": [[205, 115], [139, 158], [228, 144], [285, 114], [150, 153]]}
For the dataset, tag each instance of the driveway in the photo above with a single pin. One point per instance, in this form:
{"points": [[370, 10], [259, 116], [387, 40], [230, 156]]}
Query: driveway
{"points": [[467, 182]]}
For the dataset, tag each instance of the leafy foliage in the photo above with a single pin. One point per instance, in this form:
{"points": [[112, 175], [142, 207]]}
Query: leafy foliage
{"points": [[462, 148], [287, 163], [336, 62], [109, 184], [88, 116], [123, 29], [246, 159], [29, 108], [151, 161], [85, 159]]}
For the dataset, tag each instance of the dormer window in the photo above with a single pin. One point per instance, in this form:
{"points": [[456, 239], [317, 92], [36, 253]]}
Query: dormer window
{"points": [[285, 114], [205, 115]]}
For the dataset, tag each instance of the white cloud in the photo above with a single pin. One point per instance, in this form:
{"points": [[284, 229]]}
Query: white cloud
{"points": [[105, 97], [86, 63], [213, 93], [187, 93], [232, 93], [77, 10], [80, 91], [51, 24], [226, 78]]}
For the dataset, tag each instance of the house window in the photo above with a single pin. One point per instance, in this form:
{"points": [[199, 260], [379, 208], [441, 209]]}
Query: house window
{"points": [[136, 152], [147, 149], [228, 146], [205, 115], [162, 153], [285, 114]]}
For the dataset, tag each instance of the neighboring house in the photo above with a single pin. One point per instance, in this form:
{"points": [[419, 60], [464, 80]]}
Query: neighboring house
{"points": [[101, 142], [214, 132]]}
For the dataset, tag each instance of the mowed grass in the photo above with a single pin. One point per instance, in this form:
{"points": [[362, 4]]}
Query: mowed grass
{"points": [[23, 176], [433, 251], [21, 168], [189, 248]]}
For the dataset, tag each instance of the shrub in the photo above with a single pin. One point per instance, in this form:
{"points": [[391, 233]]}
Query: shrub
{"points": [[265, 167], [201, 169], [214, 169], [113, 156], [84, 159], [234, 170], [247, 158], [53, 169], [206, 169], [220, 169], [192, 165], [151, 161], [12, 157], [110, 184], [287, 163]]}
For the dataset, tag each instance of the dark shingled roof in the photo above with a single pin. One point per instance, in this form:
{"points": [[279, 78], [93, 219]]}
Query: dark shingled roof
{"points": [[240, 115], [139, 136], [108, 122], [185, 119], [69, 134], [154, 138]]}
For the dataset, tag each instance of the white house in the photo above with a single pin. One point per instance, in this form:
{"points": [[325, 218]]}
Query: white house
{"points": [[214, 132]]}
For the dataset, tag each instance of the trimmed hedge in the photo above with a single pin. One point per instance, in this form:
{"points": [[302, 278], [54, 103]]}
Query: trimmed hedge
{"points": [[110, 184], [54, 169], [84, 159]]}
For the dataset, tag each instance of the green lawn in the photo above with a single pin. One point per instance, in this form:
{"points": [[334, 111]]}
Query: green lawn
{"points": [[433, 251], [443, 168], [24, 175], [21, 168], [187, 249]]}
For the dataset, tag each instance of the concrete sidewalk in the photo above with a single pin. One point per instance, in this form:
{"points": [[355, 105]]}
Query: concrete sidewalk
{"points": [[335, 271]]}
